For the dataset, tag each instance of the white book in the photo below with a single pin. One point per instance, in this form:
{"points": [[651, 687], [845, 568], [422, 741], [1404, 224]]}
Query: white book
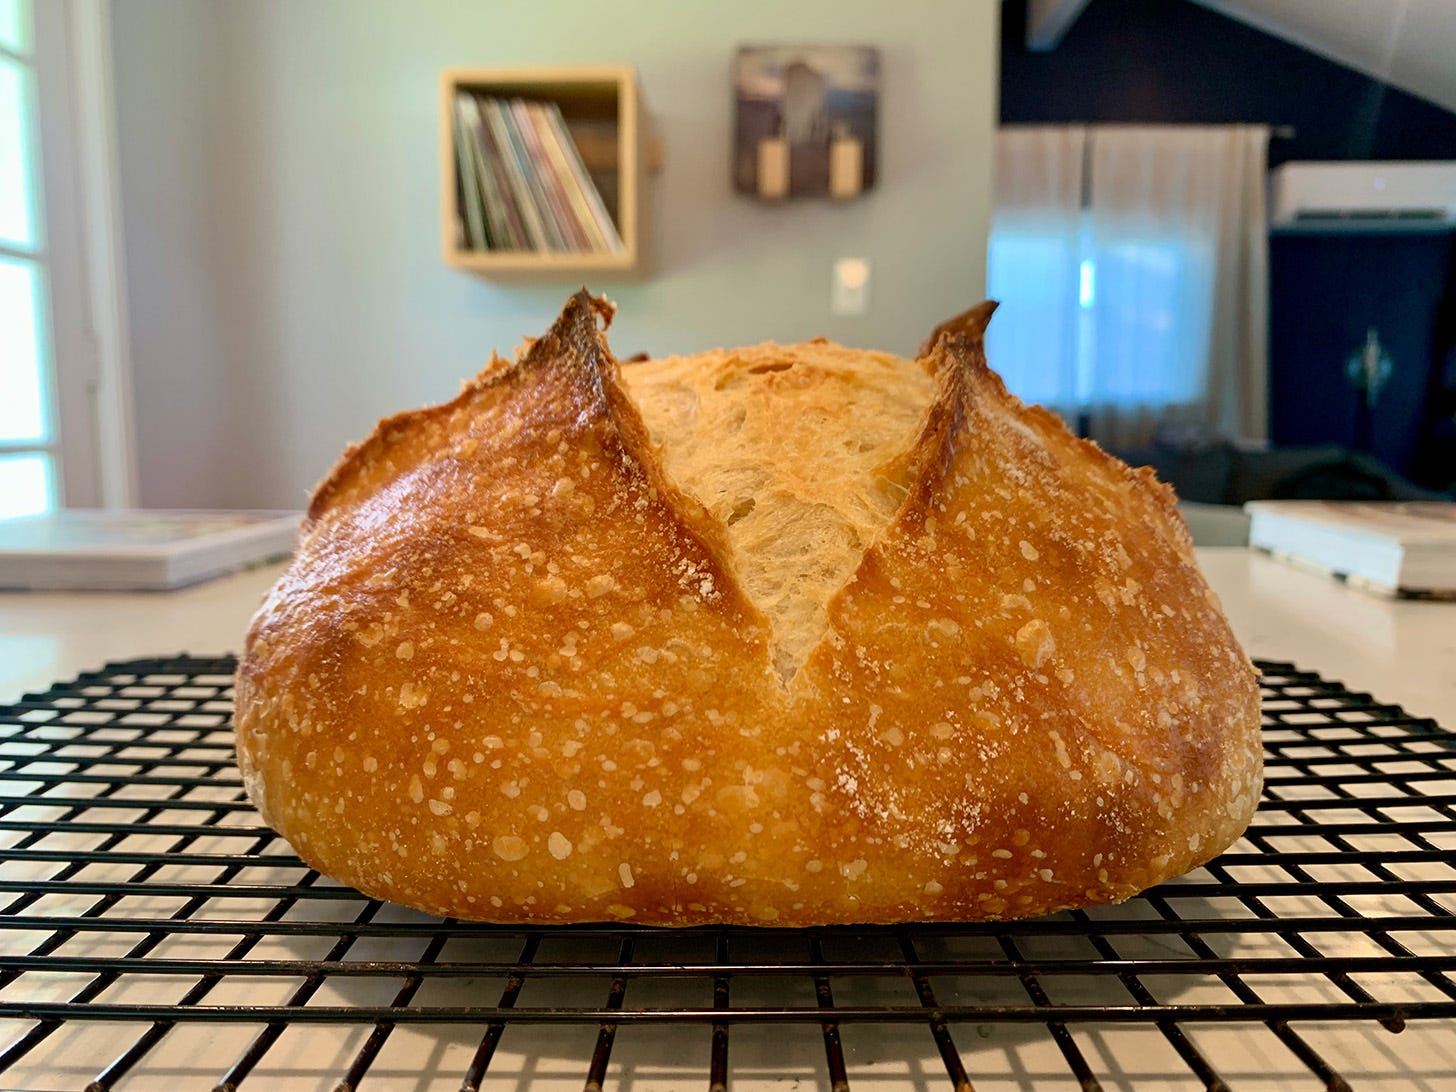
{"points": [[138, 550], [1390, 547]]}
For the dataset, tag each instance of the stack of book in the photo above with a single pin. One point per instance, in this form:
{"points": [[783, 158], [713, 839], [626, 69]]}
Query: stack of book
{"points": [[523, 184], [1393, 548]]}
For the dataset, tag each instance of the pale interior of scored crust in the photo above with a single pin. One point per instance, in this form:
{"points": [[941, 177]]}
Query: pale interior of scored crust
{"points": [[798, 450]]}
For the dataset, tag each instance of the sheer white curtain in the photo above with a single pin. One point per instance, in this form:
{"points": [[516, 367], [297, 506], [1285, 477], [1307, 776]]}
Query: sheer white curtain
{"points": [[1162, 317], [1034, 257], [1177, 226]]}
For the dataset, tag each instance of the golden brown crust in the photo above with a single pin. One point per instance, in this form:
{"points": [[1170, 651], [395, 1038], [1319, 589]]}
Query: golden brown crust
{"points": [[512, 675]]}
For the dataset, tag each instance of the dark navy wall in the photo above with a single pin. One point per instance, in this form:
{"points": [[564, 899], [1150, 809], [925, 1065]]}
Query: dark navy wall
{"points": [[1173, 61], [1330, 289]]}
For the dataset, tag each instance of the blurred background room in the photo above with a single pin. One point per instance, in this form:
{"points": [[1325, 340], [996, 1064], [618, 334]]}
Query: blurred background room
{"points": [[221, 226]]}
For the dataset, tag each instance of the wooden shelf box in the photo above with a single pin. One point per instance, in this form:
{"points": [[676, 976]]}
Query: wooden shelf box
{"points": [[602, 107]]}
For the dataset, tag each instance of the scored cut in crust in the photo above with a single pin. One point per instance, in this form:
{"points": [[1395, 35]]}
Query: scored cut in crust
{"points": [[799, 453], [515, 672]]}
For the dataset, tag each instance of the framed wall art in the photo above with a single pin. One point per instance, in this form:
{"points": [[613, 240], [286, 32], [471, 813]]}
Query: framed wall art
{"points": [[805, 120]]}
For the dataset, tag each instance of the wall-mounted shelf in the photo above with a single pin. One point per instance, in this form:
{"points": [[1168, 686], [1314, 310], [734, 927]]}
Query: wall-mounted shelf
{"points": [[602, 109]]}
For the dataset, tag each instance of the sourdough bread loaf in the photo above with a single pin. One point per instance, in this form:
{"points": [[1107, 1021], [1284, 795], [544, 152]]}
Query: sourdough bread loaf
{"points": [[792, 634]]}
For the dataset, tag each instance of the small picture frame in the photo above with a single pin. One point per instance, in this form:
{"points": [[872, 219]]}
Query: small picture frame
{"points": [[805, 121]]}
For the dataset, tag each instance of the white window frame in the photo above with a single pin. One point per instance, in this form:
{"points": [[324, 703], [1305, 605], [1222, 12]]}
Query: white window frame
{"points": [[83, 255]]}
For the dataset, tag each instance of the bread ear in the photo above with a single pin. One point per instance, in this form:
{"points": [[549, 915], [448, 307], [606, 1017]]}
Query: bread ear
{"points": [[567, 379], [969, 324]]}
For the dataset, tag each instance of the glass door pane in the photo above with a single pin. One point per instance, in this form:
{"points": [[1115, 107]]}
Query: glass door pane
{"points": [[27, 484], [28, 457], [15, 25], [19, 163], [22, 405]]}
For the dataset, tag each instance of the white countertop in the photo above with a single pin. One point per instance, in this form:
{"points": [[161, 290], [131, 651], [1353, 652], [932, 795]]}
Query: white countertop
{"points": [[1402, 652], [1399, 650]]}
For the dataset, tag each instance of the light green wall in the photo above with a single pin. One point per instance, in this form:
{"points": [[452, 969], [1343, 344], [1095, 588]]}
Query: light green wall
{"points": [[280, 203]]}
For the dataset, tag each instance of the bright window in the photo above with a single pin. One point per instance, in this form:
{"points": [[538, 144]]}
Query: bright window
{"points": [[27, 436], [1032, 339], [1146, 337], [1083, 325]]}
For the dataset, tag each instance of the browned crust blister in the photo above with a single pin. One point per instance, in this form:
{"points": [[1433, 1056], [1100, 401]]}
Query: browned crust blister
{"points": [[512, 675]]}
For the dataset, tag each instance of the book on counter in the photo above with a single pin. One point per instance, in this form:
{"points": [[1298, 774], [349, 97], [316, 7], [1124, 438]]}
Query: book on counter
{"points": [[1388, 547], [82, 549]]}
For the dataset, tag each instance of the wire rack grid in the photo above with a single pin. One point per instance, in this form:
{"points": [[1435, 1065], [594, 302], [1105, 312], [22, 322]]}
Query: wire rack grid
{"points": [[153, 933]]}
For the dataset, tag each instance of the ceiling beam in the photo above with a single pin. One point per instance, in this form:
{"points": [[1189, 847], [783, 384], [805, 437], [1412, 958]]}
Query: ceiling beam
{"points": [[1048, 20]]}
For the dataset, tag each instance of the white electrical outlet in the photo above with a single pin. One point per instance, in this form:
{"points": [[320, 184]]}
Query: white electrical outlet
{"points": [[850, 287]]}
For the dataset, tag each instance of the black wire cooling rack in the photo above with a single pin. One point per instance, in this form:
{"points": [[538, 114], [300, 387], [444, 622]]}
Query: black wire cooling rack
{"points": [[154, 934]]}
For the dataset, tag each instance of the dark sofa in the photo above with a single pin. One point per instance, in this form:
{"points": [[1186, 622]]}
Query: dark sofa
{"points": [[1213, 480]]}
